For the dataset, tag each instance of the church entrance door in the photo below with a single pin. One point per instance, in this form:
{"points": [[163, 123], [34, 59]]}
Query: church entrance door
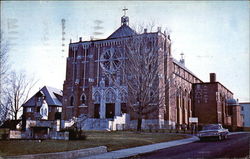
{"points": [[110, 110], [96, 111]]}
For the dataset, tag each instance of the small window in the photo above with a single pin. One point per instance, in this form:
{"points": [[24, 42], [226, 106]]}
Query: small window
{"points": [[83, 99], [72, 101], [39, 99], [38, 109], [29, 110], [242, 108], [59, 109]]}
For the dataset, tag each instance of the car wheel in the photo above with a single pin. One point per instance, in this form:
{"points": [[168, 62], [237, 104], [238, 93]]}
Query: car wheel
{"points": [[225, 137], [201, 139], [220, 137]]}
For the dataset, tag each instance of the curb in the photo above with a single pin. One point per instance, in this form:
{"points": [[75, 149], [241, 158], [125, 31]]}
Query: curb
{"points": [[233, 133], [63, 155], [141, 149]]}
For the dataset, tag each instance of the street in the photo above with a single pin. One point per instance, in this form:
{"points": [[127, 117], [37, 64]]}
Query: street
{"points": [[236, 146]]}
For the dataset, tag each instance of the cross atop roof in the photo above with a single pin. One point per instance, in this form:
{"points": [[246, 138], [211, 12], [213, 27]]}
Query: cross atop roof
{"points": [[182, 54], [124, 10]]}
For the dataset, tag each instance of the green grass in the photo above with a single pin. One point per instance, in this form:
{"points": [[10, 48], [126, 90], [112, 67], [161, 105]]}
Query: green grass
{"points": [[113, 140]]}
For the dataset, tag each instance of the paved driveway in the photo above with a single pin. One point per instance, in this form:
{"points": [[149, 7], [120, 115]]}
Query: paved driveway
{"points": [[236, 146]]}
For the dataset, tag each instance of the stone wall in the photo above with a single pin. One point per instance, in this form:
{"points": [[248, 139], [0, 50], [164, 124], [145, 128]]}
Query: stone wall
{"points": [[4, 133], [59, 135], [95, 124], [148, 124], [120, 122]]}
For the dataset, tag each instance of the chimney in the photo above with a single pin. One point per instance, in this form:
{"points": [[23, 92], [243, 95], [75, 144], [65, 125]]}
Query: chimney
{"points": [[70, 41], [212, 77], [145, 30], [80, 39]]}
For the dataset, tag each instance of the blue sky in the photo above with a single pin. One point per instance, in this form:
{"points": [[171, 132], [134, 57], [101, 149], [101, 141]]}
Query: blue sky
{"points": [[214, 36]]}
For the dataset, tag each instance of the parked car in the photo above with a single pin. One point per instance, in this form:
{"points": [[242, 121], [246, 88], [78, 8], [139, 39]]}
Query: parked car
{"points": [[213, 131]]}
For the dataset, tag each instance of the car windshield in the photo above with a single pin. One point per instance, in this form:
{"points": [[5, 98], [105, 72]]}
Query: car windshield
{"points": [[211, 127]]}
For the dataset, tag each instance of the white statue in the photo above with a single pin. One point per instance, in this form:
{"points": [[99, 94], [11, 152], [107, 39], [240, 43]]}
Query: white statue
{"points": [[44, 110], [102, 83]]}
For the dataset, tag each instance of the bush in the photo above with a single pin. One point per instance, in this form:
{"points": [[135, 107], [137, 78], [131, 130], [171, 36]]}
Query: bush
{"points": [[75, 134], [5, 136]]}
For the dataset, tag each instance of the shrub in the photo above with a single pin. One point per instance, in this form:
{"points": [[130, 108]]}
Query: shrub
{"points": [[5, 136], [75, 134]]}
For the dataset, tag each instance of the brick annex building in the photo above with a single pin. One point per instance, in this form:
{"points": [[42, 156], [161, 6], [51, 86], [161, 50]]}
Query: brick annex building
{"points": [[87, 89]]}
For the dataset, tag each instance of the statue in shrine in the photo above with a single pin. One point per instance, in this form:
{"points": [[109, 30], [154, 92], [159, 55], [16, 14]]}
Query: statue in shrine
{"points": [[102, 83], [44, 110]]}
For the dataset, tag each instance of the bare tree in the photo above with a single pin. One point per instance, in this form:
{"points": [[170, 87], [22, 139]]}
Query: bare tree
{"points": [[3, 57], [144, 73], [4, 67], [17, 92]]}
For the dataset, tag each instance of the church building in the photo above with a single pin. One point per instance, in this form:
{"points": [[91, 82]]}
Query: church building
{"points": [[96, 83]]}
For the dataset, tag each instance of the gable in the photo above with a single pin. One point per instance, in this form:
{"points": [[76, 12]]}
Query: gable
{"points": [[122, 31], [53, 97]]}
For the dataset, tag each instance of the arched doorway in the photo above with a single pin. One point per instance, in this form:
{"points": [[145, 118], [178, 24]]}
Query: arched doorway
{"points": [[110, 99], [97, 100]]}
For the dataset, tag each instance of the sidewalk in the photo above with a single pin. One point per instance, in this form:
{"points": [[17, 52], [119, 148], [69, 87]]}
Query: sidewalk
{"points": [[141, 149]]}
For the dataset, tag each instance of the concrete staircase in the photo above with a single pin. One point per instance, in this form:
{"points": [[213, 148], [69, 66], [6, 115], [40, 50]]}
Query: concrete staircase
{"points": [[118, 123]]}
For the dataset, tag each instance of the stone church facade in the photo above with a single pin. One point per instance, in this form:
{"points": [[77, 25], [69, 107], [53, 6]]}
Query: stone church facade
{"points": [[88, 89]]}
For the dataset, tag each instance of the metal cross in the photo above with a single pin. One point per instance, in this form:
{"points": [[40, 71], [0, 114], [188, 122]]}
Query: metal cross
{"points": [[124, 10], [182, 55]]}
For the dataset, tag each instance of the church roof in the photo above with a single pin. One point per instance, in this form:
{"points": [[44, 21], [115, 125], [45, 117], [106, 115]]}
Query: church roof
{"points": [[122, 31], [185, 68], [53, 96]]}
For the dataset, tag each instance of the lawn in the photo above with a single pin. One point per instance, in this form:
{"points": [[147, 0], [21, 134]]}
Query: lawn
{"points": [[113, 140]]}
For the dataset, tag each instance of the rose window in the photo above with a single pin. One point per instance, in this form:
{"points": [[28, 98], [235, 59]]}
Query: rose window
{"points": [[111, 60]]}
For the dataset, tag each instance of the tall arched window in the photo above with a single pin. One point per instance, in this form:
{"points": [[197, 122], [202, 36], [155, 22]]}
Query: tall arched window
{"points": [[110, 96], [71, 101], [151, 96], [185, 93], [97, 97], [123, 96], [83, 98]]}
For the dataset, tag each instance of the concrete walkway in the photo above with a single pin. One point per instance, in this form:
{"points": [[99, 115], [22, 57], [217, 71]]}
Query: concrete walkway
{"points": [[141, 149]]}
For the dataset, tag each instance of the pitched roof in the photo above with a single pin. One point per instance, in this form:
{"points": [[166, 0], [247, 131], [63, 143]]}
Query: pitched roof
{"points": [[122, 31], [185, 68], [53, 97]]}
